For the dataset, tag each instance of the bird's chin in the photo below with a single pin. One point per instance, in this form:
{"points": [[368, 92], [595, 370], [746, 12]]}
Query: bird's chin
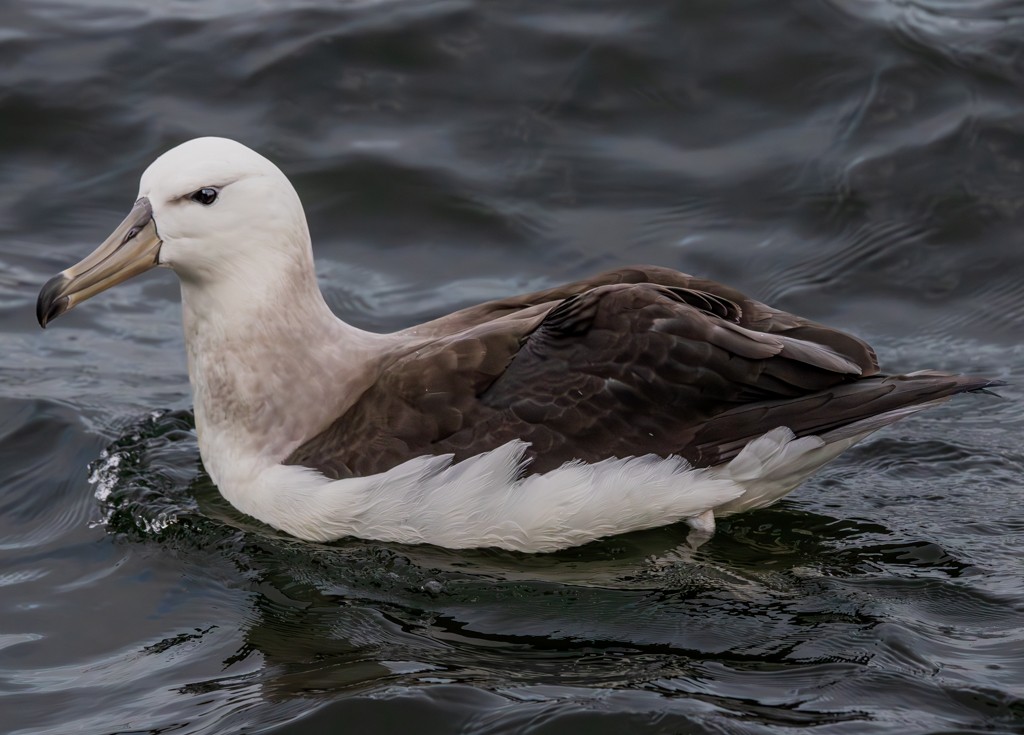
{"points": [[132, 248]]}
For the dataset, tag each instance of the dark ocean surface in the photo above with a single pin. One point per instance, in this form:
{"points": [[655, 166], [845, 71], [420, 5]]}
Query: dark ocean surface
{"points": [[860, 162]]}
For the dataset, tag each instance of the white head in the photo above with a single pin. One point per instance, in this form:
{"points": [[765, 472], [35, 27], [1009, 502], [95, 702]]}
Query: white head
{"points": [[217, 213], [214, 202]]}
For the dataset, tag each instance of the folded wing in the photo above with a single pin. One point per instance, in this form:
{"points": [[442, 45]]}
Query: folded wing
{"points": [[634, 361]]}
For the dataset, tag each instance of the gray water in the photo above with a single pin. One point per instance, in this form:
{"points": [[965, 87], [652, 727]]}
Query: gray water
{"points": [[859, 162]]}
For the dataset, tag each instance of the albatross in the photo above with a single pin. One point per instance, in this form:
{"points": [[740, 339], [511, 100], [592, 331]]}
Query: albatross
{"points": [[636, 398]]}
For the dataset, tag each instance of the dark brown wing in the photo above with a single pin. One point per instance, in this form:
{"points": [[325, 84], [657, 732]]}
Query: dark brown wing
{"points": [[628, 369], [634, 361]]}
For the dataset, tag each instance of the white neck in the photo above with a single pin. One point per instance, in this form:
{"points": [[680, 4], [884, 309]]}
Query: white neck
{"points": [[270, 364]]}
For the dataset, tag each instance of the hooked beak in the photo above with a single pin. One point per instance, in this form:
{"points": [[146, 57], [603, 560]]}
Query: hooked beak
{"points": [[131, 249]]}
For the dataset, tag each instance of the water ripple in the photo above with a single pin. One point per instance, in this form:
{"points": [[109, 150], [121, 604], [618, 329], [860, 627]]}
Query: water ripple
{"points": [[856, 162]]}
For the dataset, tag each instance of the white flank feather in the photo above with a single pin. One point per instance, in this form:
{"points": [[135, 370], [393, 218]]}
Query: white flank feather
{"points": [[486, 501], [772, 465]]}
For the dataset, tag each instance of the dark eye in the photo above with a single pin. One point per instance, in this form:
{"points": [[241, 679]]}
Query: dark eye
{"points": [[205, 196]]}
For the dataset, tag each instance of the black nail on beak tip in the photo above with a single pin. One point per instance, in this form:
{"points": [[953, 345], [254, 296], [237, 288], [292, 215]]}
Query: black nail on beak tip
{"points": [[51, 304]]}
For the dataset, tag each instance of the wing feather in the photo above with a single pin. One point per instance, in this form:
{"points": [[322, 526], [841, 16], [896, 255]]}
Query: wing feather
{"points": [[633, 361]]}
